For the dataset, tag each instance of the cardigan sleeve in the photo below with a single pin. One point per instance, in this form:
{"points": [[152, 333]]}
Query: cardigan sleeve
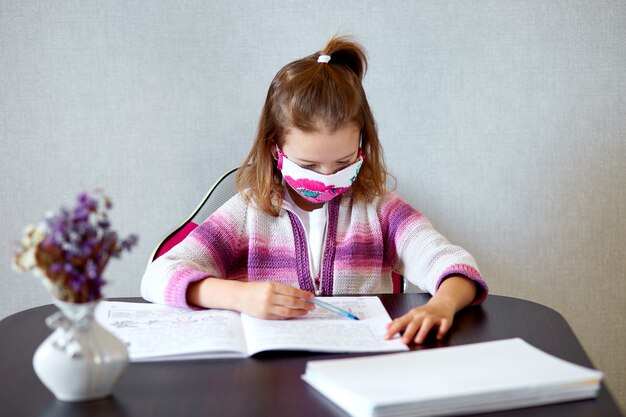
{"points": [[210, 250], [421, 254]]}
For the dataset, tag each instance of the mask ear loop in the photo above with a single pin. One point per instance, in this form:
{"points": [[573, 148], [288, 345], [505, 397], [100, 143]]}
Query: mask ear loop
{"points": [[361, 147], [279, 160]]}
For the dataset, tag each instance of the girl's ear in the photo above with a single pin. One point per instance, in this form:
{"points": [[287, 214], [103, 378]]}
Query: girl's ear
{"points": [[274, 151]]}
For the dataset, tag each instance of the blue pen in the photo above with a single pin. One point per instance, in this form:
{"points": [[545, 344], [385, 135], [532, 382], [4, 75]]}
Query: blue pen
{"points": [[332, 308]]}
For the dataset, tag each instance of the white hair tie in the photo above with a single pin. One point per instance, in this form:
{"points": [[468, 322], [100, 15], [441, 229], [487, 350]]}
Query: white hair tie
{"points": [[324, 59]]}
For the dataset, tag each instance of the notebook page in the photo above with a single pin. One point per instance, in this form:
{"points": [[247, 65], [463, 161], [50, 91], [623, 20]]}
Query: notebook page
{"points": [[153, 331], [325, 331]]}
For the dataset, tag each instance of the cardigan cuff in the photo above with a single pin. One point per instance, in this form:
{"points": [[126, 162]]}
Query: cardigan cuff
{"points": [[176, 289], [470, 273]]}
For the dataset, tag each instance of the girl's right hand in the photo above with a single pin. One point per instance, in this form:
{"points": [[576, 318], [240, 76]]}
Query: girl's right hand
{"points": [[273, 301]]}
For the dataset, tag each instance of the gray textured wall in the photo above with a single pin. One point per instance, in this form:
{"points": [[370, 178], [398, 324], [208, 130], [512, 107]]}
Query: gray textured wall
{"points": [[504, 122]]}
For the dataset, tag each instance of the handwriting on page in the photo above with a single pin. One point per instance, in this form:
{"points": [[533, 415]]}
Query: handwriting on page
{"points": [[356, 307], [322, 330], [318, 335], [342, 334], [166, 330]]}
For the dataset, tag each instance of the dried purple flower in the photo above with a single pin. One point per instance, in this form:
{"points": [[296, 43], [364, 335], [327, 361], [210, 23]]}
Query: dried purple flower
{"points": [[71, 248]]}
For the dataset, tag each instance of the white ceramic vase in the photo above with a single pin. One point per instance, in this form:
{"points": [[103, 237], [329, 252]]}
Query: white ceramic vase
{"points": [[80, 360]]}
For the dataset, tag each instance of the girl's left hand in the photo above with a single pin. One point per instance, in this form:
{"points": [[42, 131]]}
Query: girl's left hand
{"points": [[419, 321]]}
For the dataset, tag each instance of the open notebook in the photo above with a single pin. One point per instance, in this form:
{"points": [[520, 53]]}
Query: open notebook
{"points": [[155, 332], [474, 378]]}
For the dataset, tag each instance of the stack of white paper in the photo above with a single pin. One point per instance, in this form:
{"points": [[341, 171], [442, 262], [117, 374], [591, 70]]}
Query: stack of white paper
{"points": [[474, 378]]}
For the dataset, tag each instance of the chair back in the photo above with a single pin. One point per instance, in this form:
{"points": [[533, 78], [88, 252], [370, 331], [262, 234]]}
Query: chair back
{"points": [[222, 190]]}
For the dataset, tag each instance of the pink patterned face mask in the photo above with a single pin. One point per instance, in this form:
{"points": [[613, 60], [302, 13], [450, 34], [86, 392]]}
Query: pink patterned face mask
{"points": [[315, 187]]}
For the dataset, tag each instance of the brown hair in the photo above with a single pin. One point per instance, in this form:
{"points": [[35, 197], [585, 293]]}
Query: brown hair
{"points": [[309, 96]]}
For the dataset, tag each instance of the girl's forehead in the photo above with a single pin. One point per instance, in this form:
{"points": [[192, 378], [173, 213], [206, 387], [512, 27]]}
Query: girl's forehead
{"points": [[347, 135], [321, 146]]}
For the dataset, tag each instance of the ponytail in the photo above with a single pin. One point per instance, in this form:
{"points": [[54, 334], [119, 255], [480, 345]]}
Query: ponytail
{"points": [[344, 51]]}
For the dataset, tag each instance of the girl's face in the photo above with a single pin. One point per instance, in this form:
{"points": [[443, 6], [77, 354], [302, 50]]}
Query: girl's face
{"points": [[322, 151]]}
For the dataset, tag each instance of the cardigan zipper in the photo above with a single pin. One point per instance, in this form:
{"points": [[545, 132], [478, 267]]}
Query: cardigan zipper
{"points": [[328, 254], [315, 280]]}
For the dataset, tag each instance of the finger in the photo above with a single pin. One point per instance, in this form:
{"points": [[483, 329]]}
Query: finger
{"points": [[276, 317], [425, 328], [390, 332], [396, 326], [293, 292], [285, 312], [292, 302], [411, 330], [443, 328]]}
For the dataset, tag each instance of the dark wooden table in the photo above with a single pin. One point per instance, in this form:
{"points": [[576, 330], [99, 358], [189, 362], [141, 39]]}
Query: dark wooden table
{"points": [[270, 384]]}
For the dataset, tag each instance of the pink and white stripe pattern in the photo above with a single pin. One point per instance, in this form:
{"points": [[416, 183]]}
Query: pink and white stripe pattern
{"points": [[364, 245]]}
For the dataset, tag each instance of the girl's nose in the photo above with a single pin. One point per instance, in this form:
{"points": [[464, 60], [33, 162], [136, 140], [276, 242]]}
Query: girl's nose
{"points": [[326, 170]]}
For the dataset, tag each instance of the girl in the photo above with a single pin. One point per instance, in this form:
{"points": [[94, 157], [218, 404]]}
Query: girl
{"points": [[313, 216]]}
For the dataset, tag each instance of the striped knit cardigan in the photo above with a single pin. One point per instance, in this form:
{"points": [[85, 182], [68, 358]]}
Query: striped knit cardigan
{"points": [[365, 243]]}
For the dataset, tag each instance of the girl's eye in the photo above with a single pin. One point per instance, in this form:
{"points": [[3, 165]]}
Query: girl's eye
{"points": [[310, 166], [342, 162]]}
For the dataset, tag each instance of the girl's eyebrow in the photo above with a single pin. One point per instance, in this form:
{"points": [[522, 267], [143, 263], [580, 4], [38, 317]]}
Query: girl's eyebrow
{"points": [[315, 162]]}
